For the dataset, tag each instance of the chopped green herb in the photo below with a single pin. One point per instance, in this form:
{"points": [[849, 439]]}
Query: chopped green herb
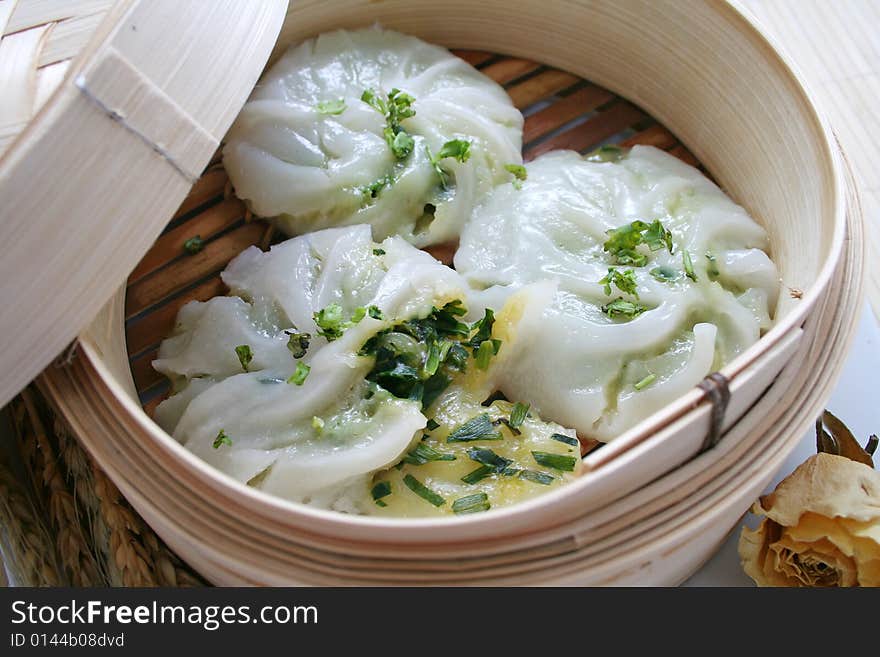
{"points": [[519, 174], [606, 153], [665, 274], [299, 375], [620, 307], [623, 242], [712, 269], [331, 106], [416, 359], [402, 144], [488, 457], [537, 477], [423, 491], [194, 244], [479, 474], [483, 328], [624, 281], [371, 191], [380, 490], [644, 383], [424, 453], [245, 356], [317, 424], [503, 420], [688, 266], [330, 322], [657, 237], [457, 149], [378, 252], [518, 414], [555, 461], [298, 343], [568, 440], [471, 503], [432, 424], [397, 107], [222, 439], [477, 428], [484, 354], [359, 313]]}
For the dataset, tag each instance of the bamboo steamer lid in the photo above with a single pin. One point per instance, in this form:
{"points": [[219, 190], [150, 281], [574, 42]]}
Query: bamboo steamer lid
{"points": [[103, 130]]}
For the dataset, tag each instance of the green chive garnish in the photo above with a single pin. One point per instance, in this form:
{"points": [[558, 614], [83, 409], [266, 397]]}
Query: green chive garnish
{"points": [[688, 265], [380, 490], [298, 343], [644, 383], [479, 474], [331, 106], [536, 477], [424, 453], [471, 503], [299, 375], [423, 491], [555, 461], [568, 440], [489, 458], [245, 356], [194, 244], [519, 174], [518, 414], [222, 439], [477, 428]]}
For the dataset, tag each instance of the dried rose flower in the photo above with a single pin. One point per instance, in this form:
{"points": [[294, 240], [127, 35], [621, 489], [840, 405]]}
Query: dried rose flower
{"points": [[822, 523]]}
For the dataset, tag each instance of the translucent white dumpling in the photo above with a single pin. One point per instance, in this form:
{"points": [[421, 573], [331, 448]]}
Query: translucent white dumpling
{"points": [[308, 151], [600, 350], [290, 413]]}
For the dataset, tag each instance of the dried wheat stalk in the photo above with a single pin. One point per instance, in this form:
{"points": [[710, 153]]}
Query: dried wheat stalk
{"points": [[25, 542], [73, 550]]}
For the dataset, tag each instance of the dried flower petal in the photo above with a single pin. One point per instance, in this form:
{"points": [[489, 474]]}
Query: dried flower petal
{"points": [[822, 527]]}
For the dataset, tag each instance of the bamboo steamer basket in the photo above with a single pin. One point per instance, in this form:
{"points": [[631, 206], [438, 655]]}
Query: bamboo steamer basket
{"points": [[702, 70]]}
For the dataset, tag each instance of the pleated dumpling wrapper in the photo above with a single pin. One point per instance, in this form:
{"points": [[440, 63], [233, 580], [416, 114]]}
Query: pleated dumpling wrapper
{"points": [[275, 395], [325, 364], [642, 278], [372, 126]]}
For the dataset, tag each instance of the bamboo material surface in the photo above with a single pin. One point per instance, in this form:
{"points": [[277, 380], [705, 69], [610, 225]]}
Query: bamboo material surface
{"points": [[837, 46], [124, 123]]}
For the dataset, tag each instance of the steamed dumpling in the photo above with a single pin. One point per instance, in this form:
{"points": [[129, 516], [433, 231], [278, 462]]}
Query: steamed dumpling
{"points": [[317, 441], [500, 464], [546, 240], [309, 152]]}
